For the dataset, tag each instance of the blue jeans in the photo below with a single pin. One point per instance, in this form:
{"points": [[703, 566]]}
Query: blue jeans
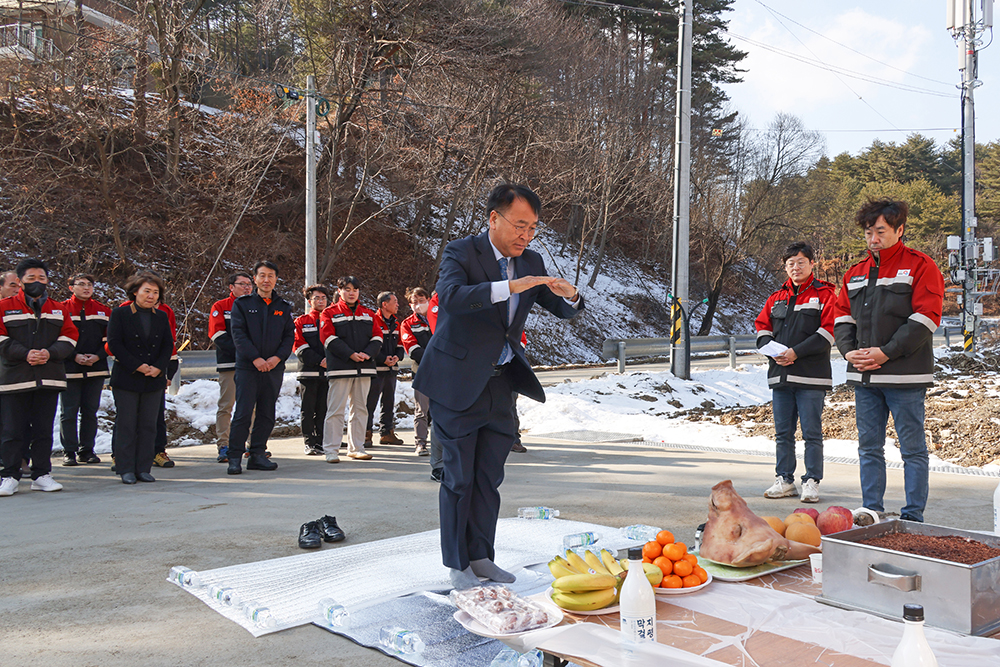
{"points": [[873, 405], [791, 405]]}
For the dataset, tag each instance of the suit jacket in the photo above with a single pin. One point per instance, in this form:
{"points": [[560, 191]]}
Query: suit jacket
{"points": [[471, 330], [131, 348]]}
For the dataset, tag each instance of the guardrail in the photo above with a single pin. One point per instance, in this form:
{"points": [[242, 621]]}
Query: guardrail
{"points": [[620, 349], [200, 365]]}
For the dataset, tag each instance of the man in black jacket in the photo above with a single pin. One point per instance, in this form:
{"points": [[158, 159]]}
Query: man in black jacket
{"points": [[263, 333]]}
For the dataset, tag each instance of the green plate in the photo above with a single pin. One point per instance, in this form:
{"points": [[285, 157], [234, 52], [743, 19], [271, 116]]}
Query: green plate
{"points": [[730, 573]]}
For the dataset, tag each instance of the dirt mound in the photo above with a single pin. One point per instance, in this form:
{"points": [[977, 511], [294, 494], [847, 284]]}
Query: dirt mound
{"points": [[962, 412]]}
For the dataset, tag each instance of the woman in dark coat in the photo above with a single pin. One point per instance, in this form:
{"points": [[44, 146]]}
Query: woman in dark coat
{"points": [[139, 338]]}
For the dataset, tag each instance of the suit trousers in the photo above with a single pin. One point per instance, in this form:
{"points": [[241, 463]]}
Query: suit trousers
{"points": [[256, 396], [82, 397], [342, 390], [383, 388], [475, 444], [161, 425], [27, 425], [313, 410], [134, 441]]}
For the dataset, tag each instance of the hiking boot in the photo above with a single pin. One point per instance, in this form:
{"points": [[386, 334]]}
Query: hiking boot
{"points": [[781, 489], [69, 459], [810, 491], [390, 438], [314, 450], [518, 447], [223, 455], [368, 438], [421, 450], [161, 460]]}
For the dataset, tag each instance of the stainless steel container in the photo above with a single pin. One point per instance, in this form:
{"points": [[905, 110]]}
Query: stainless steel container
{"points": [[963, 598]]}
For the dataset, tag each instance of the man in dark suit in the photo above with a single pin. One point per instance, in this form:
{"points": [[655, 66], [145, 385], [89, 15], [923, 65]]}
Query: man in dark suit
{"points": [[473, 363], [263, 333]]}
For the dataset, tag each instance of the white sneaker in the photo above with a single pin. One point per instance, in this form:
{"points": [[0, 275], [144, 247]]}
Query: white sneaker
{"points": [[781, 489], [8, 486], [46, 483], [333, 459], [810, 491]]}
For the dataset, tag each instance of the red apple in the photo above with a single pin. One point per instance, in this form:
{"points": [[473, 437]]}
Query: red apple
{"points": [[834, 520], [808, 510]]}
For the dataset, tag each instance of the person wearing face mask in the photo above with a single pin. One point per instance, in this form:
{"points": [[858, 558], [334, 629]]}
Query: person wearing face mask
{"points": [[220, 331], [415, 335], [9, 286], [351, 340], [86, 371], [36, 336], [140, 339]]}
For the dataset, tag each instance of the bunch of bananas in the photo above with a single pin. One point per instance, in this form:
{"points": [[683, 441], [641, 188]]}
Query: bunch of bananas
{"points": [[590, 582]]}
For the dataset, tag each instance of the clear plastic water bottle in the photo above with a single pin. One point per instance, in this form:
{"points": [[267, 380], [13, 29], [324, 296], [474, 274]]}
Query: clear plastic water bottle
{"points": [[400, 640], [580, 540], [641, 532], [333, 613], [184, 577], [508, 657], [259, 615], [536, 513], [224, 595]]}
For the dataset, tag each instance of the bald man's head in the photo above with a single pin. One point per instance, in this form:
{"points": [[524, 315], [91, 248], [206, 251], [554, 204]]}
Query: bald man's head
{"points": [[9, 285]]}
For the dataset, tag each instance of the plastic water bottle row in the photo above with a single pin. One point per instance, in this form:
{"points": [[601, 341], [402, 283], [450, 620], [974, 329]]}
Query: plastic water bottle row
{"points": [[536, 513], [252, 610]]}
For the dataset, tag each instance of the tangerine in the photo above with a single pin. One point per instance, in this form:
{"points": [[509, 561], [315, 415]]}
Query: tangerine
{"points": [[777, 524], [691, 558], [646, 560], [673, 581], [675, 551], [652, 550], [682, 568], [664, 563], [701, 573], [665, 537], [798, 517], [691, 581]]}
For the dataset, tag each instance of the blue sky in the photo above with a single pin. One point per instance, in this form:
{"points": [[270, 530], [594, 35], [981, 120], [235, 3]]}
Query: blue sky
{"points": [[901, 46]]}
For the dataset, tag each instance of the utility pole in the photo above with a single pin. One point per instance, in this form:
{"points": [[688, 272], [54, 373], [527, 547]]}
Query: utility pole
{"points": [[310, 182], [965, 264], [680, 361]]}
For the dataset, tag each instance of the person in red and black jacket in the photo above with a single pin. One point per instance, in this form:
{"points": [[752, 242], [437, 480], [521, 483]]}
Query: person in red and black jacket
{"points": [[220, 332], [36, 336], [351, 341], [415, 335], [312, 368], [383, 386], [799, 318], [86, 371], [885, 317]]}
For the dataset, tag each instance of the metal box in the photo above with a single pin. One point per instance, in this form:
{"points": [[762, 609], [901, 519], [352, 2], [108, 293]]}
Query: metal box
{"points": [[963, 598]]}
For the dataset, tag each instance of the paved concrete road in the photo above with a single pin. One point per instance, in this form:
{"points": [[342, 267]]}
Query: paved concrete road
{"points": [[83, 570]]}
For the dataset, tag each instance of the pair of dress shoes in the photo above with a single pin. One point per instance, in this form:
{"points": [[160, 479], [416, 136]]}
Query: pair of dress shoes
{"points": [[132, 478], [255, 462], [312, 533]]}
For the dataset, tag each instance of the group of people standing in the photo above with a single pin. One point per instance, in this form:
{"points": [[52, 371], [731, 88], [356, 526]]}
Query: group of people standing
{"points": [[883, 322], [48, 347]]}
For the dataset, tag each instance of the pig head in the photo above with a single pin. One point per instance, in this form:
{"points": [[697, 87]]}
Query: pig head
{"points": [[736, 536]]}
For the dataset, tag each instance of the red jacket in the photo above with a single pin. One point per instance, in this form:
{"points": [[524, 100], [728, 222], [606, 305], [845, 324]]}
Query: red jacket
{"points": [[800, 318], [892, 302], [344, 331], [93, 334], [22, 330], [308, 346], [414, 334], [221, 335], [391, 344]]}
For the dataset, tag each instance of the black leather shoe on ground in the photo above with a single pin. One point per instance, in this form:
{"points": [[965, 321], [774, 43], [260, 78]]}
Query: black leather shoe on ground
{"points": [[128, 478], [88, 457], [145, 477], [309, 535], [331, 531], [69, 459], [258, 462], [234, 466]]}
